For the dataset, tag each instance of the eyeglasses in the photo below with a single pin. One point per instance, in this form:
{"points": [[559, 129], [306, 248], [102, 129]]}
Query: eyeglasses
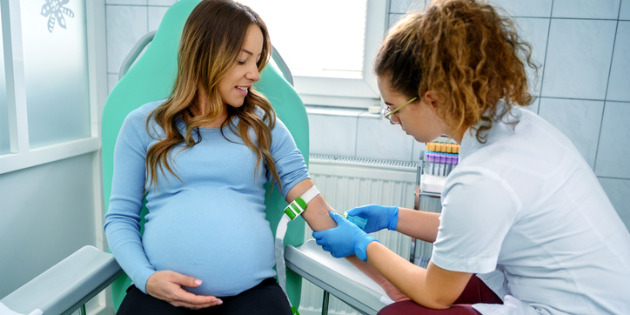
{"points": [[387, 112]]}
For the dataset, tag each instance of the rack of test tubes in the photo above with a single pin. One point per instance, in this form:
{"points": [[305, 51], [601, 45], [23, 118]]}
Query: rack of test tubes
{"points": [[440, 158]]}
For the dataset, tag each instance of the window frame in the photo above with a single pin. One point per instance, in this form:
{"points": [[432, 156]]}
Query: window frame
{"points": [[350, 92], [21, 155]]}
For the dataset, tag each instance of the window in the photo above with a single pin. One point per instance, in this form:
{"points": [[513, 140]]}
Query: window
{"points": [[48, 90], [55, 79], [329, 46]]}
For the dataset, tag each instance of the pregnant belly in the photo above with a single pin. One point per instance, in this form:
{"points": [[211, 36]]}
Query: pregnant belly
{"points": [[230, 254]]}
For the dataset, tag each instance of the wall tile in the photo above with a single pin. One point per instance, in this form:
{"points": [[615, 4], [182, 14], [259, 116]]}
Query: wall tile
{"points": [[619, 82], [125, 26], [624, 13], [618, 191], [161, 2], [579, 120], [155, 17], [614, 141], [404, 6], [127, 2], [531, 8], [602, 9], [334, 135], [534, 106], [578, 58], [535, 31], [377, 138]]}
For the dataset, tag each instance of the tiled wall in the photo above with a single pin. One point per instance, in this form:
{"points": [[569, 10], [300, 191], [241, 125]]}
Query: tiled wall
{"points": [[127, 21], [583, 47]]}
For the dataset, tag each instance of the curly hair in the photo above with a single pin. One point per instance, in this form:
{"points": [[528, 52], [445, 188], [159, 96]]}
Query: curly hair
{"points": [[212, 37], [464, 51]]}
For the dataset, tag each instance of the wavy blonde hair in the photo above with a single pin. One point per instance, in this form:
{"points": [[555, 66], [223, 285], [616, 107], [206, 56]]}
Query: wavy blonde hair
{"points": [[210, 44], [464, 51]]}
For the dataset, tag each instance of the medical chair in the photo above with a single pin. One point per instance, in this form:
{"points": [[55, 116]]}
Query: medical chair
{"points": [[151, 78]]}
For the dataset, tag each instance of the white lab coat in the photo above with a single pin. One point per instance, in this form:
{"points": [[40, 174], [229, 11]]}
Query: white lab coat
{"points": [[526, 213]]}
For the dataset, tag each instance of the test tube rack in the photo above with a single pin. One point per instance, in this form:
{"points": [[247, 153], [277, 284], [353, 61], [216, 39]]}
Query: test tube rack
{"points": [[439, 159]]}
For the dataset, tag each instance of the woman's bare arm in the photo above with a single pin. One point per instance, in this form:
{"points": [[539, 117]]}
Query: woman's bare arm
{"points": [[317, 217]]}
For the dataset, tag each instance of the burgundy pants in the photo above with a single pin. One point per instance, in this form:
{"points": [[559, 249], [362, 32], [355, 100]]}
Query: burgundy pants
{"points": [[475, 292]]}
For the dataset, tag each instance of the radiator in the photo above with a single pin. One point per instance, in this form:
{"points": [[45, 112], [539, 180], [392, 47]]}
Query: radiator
{"points": [[346, 183]]}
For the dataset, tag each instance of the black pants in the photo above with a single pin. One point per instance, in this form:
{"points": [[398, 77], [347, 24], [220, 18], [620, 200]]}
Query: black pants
{"points": [[265, 298]]}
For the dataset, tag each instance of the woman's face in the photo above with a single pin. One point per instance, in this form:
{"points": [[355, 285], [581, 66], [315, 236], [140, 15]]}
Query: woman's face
{"points": [[235, 85], [418, 119]]}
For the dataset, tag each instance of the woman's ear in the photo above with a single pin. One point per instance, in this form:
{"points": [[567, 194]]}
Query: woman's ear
{"points": [[433, 98]]}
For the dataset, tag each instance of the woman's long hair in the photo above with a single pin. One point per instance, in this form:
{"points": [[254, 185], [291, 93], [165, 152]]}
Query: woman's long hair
{"points": [[465, 52], [210, 44]]}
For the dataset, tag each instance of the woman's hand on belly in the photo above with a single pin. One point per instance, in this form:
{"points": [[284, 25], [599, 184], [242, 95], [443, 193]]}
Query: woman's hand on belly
{"points": [[167, 285]]}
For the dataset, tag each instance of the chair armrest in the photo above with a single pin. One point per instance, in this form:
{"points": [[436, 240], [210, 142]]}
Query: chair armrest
{"points": [[337, 276], [67, 285]]}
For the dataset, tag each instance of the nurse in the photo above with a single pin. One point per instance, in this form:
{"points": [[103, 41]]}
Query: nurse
{"points": [[525, 225]]}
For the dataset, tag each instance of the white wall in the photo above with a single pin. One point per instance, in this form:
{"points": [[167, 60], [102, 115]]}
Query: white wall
{"points": [[47, 214]]}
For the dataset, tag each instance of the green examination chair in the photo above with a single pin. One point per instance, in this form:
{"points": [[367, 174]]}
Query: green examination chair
{"points": [[151, 78]]}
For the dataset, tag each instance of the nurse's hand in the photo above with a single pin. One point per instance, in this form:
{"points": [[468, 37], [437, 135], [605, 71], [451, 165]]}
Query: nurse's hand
{"points": [[378, 217], [167, 285], [344, 240]]}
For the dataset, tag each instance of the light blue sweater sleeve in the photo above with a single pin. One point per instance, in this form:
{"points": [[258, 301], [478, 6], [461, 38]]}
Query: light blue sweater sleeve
{"points": [[289, 160], [127, 197]]}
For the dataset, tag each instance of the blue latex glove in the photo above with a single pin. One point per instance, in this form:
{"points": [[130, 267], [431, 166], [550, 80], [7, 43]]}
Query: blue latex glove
{"points": [[378, 217], [344, 240]]}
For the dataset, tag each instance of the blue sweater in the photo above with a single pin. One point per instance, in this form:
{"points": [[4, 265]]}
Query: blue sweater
{"points": [[211, 225]]}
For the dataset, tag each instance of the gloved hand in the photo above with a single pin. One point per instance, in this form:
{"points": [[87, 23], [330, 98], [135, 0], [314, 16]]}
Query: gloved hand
{"points": [[378, 217], [344, 240]]}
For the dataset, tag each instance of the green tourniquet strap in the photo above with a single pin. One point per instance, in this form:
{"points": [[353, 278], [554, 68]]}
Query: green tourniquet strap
{"points": [[294, 209], [301, 202], [298, 205]]}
